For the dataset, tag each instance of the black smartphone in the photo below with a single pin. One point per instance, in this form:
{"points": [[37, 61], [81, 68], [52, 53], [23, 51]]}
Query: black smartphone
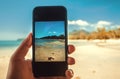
{"points": [[49, 41]]}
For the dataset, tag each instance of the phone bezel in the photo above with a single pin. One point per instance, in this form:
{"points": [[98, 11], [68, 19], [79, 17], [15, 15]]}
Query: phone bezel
{"points": [[49, 13]]}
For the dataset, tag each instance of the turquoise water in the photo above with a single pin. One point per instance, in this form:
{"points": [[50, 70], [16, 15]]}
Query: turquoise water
{"points": [[14, 43], [9, 43]]}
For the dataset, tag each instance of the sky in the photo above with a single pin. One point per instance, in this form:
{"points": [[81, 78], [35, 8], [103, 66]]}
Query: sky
{"points": [[16, 15], [43, 29]]}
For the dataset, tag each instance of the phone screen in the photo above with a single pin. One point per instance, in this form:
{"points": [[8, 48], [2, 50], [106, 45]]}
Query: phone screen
{"points": [[49, 41]]}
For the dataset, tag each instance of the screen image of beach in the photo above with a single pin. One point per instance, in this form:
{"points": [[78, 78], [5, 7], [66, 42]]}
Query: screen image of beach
{"points": [[49, 41]]}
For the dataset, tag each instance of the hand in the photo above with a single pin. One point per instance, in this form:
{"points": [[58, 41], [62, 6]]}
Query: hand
{"points": [[19, 68]]}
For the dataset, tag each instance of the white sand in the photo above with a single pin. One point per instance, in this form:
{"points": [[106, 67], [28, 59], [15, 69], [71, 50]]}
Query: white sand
{"points": [[97, 62], [5, 54], [93, 61]]}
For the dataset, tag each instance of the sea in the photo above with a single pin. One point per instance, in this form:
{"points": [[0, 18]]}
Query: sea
{"points": [[9, 43], [16, 43], [7, 47]]}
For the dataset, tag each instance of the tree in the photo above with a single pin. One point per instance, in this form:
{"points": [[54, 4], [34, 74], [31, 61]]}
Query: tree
{"points": [[102, 33]]}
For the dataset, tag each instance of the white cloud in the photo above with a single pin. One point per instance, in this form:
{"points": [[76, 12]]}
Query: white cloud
{"points": [[82, 24], [78, 22], [54, 32], [103, 24], [115, 26]]}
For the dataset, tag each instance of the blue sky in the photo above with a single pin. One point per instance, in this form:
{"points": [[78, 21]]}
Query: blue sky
{"points": [[49, 28], [16, 15]]}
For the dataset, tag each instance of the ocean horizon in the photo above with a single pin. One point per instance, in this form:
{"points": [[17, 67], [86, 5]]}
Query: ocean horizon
{"points": [[9, 43]]}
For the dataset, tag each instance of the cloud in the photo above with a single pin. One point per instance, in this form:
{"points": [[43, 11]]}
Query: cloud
{"points": [[102, 24], [52, 32], [85, 23], [115, 26], [78, 22], [82, 24]]}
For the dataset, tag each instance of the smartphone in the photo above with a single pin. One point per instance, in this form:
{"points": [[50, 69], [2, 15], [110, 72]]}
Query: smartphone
{"points": [[49, 41]]}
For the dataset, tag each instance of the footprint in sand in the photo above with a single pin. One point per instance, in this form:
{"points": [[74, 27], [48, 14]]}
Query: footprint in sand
{"points": [[93, 71]]}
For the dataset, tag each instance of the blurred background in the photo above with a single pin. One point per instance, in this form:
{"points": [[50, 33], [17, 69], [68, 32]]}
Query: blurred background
{"points": [[84, 17]]}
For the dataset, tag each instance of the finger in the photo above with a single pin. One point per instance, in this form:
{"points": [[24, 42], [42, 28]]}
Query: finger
{"points": [[71, 49], [69, 73], [71, 61], [23, 48]]}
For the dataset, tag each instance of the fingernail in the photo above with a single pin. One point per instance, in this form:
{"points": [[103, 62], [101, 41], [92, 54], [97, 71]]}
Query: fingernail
{"points": [[71, 61], [71, 71]]}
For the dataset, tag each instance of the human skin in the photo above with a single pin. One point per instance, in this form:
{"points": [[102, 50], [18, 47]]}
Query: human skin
{"points": [[20, 68]]}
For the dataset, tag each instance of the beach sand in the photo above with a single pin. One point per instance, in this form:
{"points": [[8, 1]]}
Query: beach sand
{"points": [[55, 54], [5, 54], [99, 60], [96, 60]]}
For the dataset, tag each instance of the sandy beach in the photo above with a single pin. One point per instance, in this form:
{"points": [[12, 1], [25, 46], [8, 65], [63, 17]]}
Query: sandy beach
{"points": [[5, 54], [49, 50], [97, 60], [49, 55], [94, 59]]}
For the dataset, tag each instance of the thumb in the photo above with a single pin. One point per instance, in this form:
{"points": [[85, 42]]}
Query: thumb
{"points": [[22, 50]]}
